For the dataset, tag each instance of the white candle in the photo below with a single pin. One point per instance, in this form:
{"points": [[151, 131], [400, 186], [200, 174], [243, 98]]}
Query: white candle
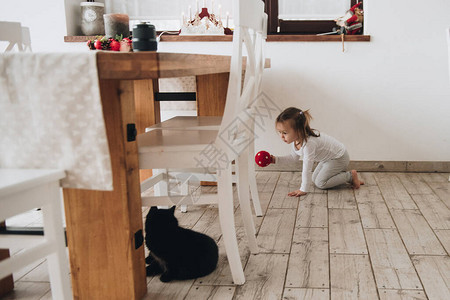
{"points": [[228, 15], [182, 19], [212, 6], [204, 3], [218, 15], [198, 11], [190, 13]]}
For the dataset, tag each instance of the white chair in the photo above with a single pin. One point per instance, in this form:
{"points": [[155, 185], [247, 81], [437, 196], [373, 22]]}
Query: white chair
{"points": [[210, 152], [16, 35], [25, 189], [214, 122]]}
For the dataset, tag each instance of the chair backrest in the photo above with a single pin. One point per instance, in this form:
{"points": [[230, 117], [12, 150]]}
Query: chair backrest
{"points": [[14, 33], [243, 87]]}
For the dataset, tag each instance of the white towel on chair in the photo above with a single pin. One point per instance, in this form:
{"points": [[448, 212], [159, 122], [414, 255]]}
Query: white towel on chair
{"points": [[51, 117]]}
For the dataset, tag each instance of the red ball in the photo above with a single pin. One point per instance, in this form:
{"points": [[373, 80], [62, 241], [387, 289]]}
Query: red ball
{"points": [[263, 159]]}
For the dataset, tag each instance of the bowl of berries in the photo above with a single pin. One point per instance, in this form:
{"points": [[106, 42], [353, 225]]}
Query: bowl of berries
{"points": [[119, 43]]}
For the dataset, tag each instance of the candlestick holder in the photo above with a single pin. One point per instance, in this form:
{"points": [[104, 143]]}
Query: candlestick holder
{"points": [[203, 23]]}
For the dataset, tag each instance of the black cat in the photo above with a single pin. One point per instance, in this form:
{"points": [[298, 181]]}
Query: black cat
{"points": [[176, 252]]}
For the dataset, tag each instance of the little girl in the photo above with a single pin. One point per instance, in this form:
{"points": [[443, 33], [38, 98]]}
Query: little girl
{"points": [[293, 127]]}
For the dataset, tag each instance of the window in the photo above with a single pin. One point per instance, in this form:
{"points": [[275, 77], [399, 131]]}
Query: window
{"points": [[288, 19], [306, 16]]}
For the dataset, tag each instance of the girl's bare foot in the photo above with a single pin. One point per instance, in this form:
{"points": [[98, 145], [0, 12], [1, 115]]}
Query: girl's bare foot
{"points": [[356, 182]]}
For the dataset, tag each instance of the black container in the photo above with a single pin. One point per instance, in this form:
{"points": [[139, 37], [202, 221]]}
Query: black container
{"points": [[144, 37]]}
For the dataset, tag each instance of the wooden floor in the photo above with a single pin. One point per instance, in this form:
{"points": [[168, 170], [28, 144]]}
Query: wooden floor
{"points": [[388, 240]]}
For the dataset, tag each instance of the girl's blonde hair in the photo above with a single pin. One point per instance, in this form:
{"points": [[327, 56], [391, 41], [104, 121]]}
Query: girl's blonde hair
{"points": [[299, 121]]}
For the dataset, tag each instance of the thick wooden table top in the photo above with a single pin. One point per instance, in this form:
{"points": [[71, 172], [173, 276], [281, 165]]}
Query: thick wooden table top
{"points": [[147, 65]]}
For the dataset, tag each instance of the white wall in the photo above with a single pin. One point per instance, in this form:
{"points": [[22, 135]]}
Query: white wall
{"points": [[46, 20], [388, 99]]}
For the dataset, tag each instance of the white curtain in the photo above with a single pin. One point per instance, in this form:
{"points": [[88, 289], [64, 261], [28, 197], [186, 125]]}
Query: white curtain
{"points": [[312, 9]]}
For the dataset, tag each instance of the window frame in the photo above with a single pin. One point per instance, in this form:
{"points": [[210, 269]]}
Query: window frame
{"points": [[292, 27]]}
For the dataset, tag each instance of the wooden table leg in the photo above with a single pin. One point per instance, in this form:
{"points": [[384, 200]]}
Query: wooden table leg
{"points": [[211, 94], [147, 110], [104, 227], [7, 283]]}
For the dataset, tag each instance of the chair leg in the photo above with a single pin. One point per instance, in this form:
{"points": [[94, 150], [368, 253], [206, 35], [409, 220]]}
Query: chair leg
{"points": [[184, 191], [226, 218], [244, 201], [58, 263], [252, 180], [162, 187], [254, 190]]}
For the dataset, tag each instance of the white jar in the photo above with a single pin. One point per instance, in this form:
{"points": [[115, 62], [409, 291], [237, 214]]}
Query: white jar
{"points": [[92, 18]]}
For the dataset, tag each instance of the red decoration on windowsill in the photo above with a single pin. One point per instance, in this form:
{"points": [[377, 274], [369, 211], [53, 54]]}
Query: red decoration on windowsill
{"points": [[204, 13]]}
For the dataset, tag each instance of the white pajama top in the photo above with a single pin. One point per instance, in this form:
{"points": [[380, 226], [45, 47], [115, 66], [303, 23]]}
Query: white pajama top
{"points": [[316, 149]]}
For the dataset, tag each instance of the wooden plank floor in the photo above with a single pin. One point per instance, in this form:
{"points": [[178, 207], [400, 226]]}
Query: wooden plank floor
{"points": [[388, 240]]}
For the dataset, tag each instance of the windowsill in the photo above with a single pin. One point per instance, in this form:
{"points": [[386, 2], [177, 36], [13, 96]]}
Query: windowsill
{"points": [[316, 38], [228, 38]]}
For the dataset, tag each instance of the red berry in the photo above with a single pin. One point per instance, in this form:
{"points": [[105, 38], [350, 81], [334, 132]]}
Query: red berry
{"points": [[114, 45], [105, 44], [98, 45], [128, 40], [90, 44]]}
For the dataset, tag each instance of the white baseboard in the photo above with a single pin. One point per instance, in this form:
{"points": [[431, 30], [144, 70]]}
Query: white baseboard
{"points": [[378, 166]]}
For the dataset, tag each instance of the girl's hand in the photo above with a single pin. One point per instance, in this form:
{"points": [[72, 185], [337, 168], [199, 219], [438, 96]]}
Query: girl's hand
{"points": [[297, 193]]}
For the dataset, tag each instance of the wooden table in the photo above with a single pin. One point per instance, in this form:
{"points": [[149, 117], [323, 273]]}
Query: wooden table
{"points": [[104, 228]]}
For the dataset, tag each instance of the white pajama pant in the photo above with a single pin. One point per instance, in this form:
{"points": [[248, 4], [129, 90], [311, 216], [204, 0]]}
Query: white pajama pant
{"points": [[332, 172]]}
